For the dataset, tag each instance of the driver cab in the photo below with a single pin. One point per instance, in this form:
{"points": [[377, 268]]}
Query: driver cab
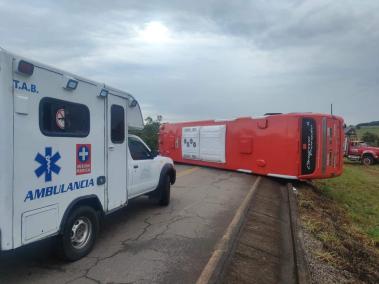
{"points": [[358, 144], [143, 167]]}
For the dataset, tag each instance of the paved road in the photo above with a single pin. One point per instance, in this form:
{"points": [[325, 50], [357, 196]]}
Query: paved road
{"points": [[145, 243]]}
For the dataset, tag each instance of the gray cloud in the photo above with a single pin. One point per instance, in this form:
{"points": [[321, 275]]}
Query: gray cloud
{"points": [[221, 58]]}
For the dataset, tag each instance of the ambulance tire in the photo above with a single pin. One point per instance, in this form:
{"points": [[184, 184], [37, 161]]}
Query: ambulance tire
{"points": [[165, 191], [79, 233]]}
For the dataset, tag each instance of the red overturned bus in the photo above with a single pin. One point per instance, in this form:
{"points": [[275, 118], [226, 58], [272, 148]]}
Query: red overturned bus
{"points": [[293, 146]]}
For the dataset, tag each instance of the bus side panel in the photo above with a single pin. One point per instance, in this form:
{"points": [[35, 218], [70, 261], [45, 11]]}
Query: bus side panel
{"points": [[6, 151], [263, 146], [277, 145], [49, 174]]}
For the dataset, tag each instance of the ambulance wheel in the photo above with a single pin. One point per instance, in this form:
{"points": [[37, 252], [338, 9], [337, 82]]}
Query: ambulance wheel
{"points": [[79, 233], [164, 199]]}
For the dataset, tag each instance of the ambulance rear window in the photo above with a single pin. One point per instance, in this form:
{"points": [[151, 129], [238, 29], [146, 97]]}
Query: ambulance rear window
{"points": [[58, 118]]}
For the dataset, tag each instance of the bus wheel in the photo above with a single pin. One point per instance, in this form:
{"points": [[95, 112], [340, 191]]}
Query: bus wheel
{"points": [[79, 233], [165, 191], [367, 160]]}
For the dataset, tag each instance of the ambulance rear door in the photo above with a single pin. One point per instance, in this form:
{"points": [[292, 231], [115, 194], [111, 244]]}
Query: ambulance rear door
{"points": [[59, 148]]}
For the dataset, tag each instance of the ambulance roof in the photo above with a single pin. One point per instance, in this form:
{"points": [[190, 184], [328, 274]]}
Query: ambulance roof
{"points": [[74, 76]]}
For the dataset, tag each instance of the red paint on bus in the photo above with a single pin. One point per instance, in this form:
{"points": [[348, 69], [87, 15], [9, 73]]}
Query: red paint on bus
{"points": [[295, 145]]}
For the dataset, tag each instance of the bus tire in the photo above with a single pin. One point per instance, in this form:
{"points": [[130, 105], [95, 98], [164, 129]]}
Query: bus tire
{"points": [[165, 191], [79, 233], [367, 160]]}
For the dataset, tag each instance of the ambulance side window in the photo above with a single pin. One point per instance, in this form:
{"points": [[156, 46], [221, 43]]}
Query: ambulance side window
{"points": [[58, 118], [117, 124]]}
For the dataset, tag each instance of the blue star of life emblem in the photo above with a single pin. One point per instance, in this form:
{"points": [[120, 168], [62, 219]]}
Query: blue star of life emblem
{"points": [[47, 164]]}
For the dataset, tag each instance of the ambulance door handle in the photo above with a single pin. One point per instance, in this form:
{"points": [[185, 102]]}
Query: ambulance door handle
{"points": [[111, 147], [135, 166]]}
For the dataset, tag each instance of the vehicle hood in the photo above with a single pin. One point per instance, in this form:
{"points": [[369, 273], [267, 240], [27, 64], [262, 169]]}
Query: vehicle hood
{"points": [[374, 149], [165, 160]]}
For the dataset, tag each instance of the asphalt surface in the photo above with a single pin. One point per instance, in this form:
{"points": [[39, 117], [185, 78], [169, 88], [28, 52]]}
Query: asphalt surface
{"points": [[145, 243]]}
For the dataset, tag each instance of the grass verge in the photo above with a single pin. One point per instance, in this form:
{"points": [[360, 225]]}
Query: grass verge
{"points": [[357, 190], [372, 129], [343, 215]]}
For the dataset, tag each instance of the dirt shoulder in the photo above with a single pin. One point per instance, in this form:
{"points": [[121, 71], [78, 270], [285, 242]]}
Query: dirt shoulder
{"points": [[336, 249]]}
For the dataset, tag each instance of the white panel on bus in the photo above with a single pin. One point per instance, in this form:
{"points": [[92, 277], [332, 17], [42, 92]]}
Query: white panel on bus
{"points": [[190, 143], [212, 143]]}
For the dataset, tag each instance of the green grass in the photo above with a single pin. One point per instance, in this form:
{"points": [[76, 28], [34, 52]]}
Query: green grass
{"points": [[357, 189], [372, 129]]}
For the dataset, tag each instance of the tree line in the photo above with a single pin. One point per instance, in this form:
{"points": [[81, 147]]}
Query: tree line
{"points": [[150, 132], [371, 138]]}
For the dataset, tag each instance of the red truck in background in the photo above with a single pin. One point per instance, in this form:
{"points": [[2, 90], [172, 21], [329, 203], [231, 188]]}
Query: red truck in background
{"points": [[361, 151], [293, 146]]}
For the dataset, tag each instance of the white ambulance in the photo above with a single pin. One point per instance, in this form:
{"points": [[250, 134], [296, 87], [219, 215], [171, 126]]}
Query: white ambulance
{"points": [[66, 156]]}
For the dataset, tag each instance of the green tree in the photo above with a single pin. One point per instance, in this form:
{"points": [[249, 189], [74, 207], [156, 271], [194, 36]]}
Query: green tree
{"points": [[150, 132], [371, 138]]}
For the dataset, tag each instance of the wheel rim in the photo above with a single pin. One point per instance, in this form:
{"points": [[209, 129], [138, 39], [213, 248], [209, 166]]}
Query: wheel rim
{"points": [[367, 161], [81, 232]]}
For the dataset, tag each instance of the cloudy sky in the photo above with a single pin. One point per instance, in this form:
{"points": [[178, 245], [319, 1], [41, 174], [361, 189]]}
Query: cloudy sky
{"points": [[204, 59]]}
